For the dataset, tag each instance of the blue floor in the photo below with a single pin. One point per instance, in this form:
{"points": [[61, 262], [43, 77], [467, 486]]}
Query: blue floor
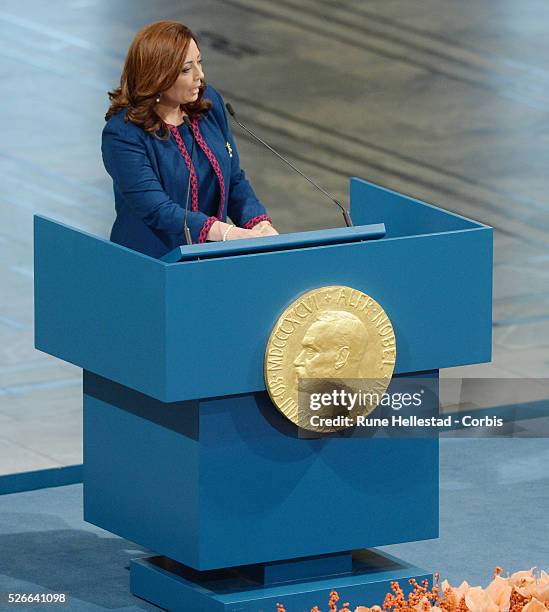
{"points": [[494, 503], [45, 546]]}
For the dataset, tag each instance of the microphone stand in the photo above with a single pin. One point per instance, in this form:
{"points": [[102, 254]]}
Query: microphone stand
{"points": [[346, 215]]}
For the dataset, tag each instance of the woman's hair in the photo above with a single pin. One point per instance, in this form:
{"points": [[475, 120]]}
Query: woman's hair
{"points": [[155, 59]]}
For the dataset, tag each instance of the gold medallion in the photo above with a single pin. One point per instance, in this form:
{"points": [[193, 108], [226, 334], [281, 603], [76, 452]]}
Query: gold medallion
{"points": [[330, 357]]}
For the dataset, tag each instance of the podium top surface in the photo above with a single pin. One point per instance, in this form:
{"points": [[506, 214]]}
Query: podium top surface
{"points": [[297, 240], [182, 331]]}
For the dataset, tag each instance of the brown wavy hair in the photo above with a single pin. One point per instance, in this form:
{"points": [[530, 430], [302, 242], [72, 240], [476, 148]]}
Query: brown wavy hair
{"points": [[155, 59]]}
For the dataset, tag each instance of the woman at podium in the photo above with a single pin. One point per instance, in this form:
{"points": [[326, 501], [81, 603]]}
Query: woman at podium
{"points": [[162, 194]]}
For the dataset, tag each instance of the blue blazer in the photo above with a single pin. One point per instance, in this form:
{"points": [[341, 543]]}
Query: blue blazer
{"points": [[150, 182]]}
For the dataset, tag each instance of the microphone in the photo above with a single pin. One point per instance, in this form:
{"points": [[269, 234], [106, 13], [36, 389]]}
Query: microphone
{"points": [[186, 229], [346, 215]]}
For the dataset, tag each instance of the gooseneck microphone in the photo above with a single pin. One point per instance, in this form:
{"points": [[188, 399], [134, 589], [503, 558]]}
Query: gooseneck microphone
{"points": [[346, 215], [186, 229]]}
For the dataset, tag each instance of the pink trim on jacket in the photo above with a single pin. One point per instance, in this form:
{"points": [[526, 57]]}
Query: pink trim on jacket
{"points": [[255, 220]]}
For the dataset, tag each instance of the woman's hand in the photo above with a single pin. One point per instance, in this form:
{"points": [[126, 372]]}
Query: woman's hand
{"points": [[221, 230], [265, 229], [238, 233]]}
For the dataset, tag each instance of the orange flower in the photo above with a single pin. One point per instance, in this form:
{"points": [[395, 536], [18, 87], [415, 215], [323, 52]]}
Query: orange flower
{"points": [[538, 588], [478, 600], [499, 591], [454, 595], [535, 605], [422, 605], [521, 592], [520, 579], [334, 597]]}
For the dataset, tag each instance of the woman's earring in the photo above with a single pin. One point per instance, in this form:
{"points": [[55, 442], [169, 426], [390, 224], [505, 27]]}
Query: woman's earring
{"points": [[158, 97]]}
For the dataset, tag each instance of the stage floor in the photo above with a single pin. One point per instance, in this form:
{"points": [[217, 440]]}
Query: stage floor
{"points": [[493, 508]]}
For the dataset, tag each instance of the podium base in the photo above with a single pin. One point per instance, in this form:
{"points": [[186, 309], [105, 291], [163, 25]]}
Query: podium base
{"points": [[176, 587]]}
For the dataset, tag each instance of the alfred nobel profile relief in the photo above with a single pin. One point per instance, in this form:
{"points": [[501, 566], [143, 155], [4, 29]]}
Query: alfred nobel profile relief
{"points": [[334, 345], [331, 341], [331, 359]]}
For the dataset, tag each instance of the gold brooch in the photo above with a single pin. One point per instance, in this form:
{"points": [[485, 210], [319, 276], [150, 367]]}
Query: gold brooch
{"points": [[229, 148]]}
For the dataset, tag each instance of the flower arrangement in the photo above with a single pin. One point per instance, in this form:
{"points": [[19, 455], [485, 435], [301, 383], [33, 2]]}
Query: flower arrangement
{"points": [[523, 591]]}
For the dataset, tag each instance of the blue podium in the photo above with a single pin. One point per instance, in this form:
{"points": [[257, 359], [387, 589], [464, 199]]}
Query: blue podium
{"points": [[185, 454]]}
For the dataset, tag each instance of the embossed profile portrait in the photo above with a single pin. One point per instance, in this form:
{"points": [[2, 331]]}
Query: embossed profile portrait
{"points": [[334, 346]]}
